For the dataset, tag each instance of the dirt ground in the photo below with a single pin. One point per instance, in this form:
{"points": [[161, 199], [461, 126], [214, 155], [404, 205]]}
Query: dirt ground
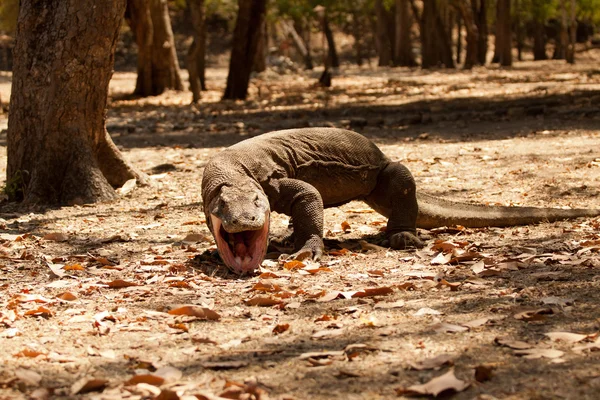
{"points": [[85, 291]]}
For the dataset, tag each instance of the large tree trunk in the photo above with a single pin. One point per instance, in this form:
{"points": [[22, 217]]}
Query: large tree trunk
{"points": [[384, 45], [436, 44], [403, 54], [503, 50], [262, 49], [562, 41], [158, 68], [251, 14], [480, 13], [58, 149], [196, 58]]}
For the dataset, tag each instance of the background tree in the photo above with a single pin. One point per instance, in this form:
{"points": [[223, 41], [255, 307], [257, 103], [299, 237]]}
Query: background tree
{"points": [[196, 57], [503, 50], [403, 52], [436, 45], [382, 31], [251, 14], [59, 151], [481, 21], [158, 68], [466, 13]]}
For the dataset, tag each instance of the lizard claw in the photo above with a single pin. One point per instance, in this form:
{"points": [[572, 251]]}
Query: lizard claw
{"points": [[404, 240], [312, 250]]}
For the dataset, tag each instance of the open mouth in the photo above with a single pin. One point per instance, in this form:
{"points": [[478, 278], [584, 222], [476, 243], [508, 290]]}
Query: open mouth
{"points": [[242, 251]]}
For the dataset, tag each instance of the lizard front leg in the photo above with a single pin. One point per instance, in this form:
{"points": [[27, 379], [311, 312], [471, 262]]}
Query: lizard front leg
{"points": [[303, 203], [395, 197]]}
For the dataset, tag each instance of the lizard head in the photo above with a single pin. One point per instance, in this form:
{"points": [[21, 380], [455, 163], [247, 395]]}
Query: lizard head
{"points": [[239, 221]]}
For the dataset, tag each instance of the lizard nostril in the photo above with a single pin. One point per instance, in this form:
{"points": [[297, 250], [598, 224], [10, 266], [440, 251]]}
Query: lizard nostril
{"points": [[253, 218]]}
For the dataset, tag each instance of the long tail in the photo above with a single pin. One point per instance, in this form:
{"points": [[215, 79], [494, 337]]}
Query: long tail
{"points": [[436, 212]]}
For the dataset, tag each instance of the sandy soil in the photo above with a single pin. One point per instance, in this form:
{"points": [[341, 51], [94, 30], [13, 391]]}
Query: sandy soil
{"points": [[85, 292]]}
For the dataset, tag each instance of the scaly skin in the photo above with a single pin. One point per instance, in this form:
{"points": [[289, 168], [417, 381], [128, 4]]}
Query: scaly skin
{"points": [[298, 172]]}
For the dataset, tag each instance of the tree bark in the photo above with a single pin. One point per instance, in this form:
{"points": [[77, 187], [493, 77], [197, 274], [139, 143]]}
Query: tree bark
{"points": [[262, 49], [357, 33], [58, 149], [458, 38], [570, 53], [480, 15], [158, 68], [466, 12], [384, 45], [196, 57], [539, 41], [246, 34], [503, 34], [436, 44], [332, 56], [403, 54]]}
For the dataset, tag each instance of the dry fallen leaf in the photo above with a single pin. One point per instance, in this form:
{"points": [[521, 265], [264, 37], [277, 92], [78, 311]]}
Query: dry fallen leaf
{"points": [[28, 376], [86, 385], [426, 311], [39, 312], [56, 237], [538, 314], [386, 306], [566, 337], [535, 353], [444, 327], [436, 386], [196, 311], [279, 329], [432, 363], [120, 283], [67, 296], [148, 379], [327, 333], [263, 301], [513, 344], [294, 264]]}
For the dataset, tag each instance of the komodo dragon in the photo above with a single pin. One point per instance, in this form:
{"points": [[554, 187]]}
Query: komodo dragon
{"points": [[298, 172]]}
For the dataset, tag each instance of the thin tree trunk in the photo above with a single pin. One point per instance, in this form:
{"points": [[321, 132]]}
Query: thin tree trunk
{"points": [[384, 45], [58, 149], [357, 34], [196, 57], [570, 56], [245, 42], [332, 56], [504, 34], [520, 29], [466, 12], [539, 41], [403, 54], [299, 42], [458, 38]]}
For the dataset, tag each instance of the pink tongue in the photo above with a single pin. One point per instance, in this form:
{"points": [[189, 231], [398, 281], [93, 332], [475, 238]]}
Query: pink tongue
{"points": [[240, 247]]}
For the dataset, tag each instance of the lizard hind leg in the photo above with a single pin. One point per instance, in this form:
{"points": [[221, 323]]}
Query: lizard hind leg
{"points": [[394, 197]]}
